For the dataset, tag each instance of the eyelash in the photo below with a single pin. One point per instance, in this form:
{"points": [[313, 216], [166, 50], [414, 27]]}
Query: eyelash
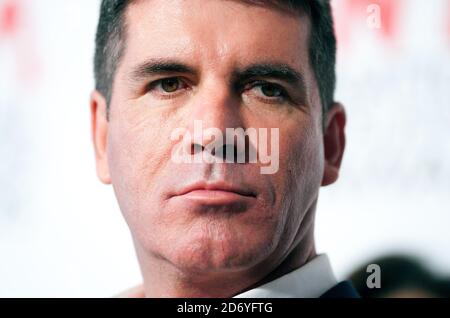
{"points": [[246, 87], [277, 99]]}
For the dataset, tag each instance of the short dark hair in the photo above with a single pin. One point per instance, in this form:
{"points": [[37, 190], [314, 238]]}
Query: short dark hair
{"points": [[110, 41]]}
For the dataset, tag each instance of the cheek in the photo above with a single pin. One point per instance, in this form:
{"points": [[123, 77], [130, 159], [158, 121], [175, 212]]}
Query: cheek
{"points": [[299, 180], [140, 139], [137, 152], [134, 151], [301, 156]]}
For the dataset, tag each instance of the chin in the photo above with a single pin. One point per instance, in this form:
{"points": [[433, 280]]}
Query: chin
{"points": [[226, 252]]}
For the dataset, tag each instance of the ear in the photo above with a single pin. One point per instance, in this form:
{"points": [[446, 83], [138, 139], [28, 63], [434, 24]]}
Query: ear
{"points": [[99, 130], [334, 143]]}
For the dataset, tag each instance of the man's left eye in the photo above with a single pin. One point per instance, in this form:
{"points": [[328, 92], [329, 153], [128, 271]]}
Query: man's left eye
{"points": [[271, 90]]}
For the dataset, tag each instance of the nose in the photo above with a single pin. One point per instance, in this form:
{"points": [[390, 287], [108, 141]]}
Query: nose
{"points": [[214, 118]]}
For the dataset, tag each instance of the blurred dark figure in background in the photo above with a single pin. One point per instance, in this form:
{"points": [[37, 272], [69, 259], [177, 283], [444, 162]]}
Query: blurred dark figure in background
{"points": [[402, 276]]}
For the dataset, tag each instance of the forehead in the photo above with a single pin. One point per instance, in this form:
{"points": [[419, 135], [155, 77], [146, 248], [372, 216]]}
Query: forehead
{"points": [[215, 33]]}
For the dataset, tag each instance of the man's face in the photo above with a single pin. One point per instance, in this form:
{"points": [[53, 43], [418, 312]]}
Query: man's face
{"points": [[200, 59]]}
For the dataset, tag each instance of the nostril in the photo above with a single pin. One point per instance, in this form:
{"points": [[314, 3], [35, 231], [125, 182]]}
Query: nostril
{"points": [[195, 148]]}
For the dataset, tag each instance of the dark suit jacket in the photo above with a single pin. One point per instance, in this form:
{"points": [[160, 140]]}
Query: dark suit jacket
{"points": [[344, 289]]}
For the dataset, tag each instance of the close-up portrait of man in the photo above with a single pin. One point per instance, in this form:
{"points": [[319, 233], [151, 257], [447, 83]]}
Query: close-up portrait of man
{"points": [[220, 226], [221, 151]]}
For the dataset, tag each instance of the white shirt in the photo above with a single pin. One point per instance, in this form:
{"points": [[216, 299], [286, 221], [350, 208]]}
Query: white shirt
{"points": [[309, 281]]}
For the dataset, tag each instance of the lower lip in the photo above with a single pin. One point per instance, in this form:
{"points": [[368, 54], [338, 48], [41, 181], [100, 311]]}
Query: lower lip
{"points": [[215, 196]]}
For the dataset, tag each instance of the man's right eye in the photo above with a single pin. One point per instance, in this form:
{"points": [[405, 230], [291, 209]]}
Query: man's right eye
{"points": [[167, 86]]}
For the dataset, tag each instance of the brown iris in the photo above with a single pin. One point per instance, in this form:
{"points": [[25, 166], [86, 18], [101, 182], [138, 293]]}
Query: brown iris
{"points": [[271, 90], [170, 85]]}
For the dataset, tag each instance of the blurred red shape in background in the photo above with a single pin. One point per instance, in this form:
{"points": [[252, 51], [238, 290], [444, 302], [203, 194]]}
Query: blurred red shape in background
{"points": [[353, 14], [9, 17]]}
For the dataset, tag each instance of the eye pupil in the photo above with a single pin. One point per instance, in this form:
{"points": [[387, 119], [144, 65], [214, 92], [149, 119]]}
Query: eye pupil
{"points": [[170, 85]]}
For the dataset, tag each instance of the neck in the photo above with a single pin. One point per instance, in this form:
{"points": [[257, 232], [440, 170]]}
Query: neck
{"points": [[296, 259]]}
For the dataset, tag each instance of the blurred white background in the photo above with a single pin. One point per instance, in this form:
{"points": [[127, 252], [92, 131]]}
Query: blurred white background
{"points": [[61, 231]]}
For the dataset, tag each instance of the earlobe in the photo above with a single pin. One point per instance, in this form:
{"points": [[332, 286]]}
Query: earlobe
{"points": [[334, 143], [99, 131]]}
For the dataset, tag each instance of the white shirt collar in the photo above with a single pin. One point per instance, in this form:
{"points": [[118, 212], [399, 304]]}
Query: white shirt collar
{"points": [[309, 281]]}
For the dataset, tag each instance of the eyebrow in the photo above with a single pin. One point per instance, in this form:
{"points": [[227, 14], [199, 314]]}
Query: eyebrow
{"points": [[159, 66], [278, 71]]}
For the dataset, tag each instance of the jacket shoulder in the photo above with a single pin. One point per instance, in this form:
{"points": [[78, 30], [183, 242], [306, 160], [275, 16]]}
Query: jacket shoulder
{"points": [[344, 289]]}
